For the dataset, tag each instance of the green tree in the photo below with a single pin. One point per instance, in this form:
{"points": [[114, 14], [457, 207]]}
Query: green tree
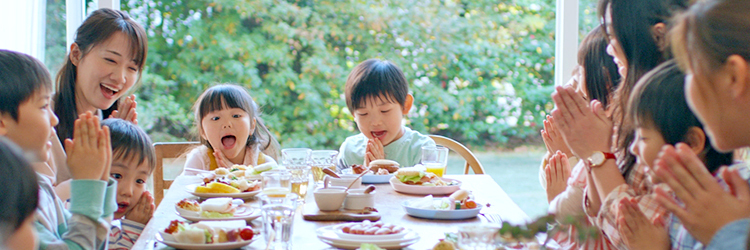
{"points": [[481, 71]]}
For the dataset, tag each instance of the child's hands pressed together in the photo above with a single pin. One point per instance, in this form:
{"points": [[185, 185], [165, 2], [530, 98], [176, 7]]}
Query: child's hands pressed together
{"points": [[89, 152], [707, 207], [128, 106], [221, 161], [558, 172], [637, 231], [553, 139], [374, 151], [143, 210]]}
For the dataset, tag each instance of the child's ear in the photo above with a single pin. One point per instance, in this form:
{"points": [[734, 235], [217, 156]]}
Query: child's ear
{"points": [[659, 33], [4, 120], [696, 139], [75, 54], [407, 104], [252, 124], [736, 69]]}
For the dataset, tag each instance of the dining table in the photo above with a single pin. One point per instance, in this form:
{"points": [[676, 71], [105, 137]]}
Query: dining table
{"points": [[388, 203]]}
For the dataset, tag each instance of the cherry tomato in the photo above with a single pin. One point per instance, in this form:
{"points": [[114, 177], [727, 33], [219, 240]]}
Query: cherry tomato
{"points": [[172, 227], [246, 234], [471, 204]]}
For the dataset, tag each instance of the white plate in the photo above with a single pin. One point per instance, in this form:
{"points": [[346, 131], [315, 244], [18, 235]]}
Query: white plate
{"points": [[375, 179], [243, 195], [348, 236], [217, 246], [328, 235], [441, 214], [419, 189], [243, 212]]}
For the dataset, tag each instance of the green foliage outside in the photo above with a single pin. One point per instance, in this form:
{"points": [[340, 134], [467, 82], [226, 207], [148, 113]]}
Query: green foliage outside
{"points": [[481, 71]]}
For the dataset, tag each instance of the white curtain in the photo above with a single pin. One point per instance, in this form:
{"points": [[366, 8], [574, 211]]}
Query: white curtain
{"points": [[22, 25]]}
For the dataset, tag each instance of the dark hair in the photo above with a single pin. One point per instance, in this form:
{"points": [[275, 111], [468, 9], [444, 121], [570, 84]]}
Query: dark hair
{"points": [[19, 192], [375, 78], [632, 21], [130, 142], [224, 96], [709, 32], [658, 101], [96, 29], [21, 77], [600, 70]]}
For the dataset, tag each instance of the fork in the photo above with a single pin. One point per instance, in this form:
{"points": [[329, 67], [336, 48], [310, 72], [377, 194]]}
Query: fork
{"points": [[492, 217]]}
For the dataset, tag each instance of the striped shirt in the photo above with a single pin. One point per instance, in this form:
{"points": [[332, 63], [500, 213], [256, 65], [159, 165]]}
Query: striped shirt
{"points": [[124, 233]]}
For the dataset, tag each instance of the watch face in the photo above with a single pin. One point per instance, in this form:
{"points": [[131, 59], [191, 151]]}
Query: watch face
{"points": [[597, 158]]}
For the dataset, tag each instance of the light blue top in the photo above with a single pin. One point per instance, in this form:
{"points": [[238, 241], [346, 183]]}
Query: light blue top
{"points": [[407, 150], [731, 236], [85, 225]]}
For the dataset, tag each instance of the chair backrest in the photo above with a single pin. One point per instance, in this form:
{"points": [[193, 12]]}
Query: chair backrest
{"points": [[166, 150], [471, 160]]}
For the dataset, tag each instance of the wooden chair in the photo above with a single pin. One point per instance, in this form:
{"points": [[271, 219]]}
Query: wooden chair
{"points": [[166, 150], [471, 160]]}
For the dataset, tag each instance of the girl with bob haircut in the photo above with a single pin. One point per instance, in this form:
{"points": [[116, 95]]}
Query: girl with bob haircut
{"points": [[231, 131], [105, 62], [709, 42], [662, 117]]}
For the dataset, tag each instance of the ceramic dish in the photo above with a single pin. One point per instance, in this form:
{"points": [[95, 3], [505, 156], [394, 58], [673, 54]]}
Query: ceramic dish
{"points": [[364, 238], [243, 212], [328, 235], [243, 195], [425, 190], [376, 179], [216, 246], [441, 214]]}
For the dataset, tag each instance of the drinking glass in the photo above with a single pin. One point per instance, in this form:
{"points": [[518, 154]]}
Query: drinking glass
{"points": [[435, 159], [322, 159], [278, 214], [276, 182], [297, 161], [479, 237]]}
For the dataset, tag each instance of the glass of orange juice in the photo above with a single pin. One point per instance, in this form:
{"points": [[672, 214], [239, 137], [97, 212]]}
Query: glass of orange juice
{"points": [[435, 159]]}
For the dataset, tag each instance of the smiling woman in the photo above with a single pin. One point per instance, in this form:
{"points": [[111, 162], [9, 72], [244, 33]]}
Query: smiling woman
{"points": [[104, 63]]}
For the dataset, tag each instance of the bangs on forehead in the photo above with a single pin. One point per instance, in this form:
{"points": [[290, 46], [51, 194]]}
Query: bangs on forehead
{"points": [[374, 98], [138, 43], [225, 97]]}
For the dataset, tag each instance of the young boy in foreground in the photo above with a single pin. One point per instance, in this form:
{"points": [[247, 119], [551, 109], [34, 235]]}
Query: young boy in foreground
{"points": [[378, 96], [27, 120]]}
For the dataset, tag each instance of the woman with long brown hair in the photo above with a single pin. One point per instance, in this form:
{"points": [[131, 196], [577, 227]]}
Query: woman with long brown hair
{"points": [[105, 62]]}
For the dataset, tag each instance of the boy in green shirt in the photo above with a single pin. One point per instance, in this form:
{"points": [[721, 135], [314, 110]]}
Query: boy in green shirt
{"points": [[27, 119], [378, 96]]}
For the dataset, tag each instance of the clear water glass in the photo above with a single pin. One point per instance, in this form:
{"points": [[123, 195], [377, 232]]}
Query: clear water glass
{"points": [[278, 214], [479, 237], [276, 182]]}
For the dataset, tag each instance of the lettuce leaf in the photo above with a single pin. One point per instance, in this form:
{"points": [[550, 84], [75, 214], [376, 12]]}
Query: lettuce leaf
{"points": [[414, 178], [208, 214], [368, 246]]}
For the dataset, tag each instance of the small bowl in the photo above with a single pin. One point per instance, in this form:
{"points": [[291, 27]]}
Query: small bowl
{"points": [[330, 199], [345, 180], [356, 199]]}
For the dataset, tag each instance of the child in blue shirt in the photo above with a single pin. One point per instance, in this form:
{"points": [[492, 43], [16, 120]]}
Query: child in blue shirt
{"points": [[27, 119], [377, 95]]}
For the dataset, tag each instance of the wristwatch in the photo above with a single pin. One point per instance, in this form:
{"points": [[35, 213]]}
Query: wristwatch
{"points": [[598, 158]]}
